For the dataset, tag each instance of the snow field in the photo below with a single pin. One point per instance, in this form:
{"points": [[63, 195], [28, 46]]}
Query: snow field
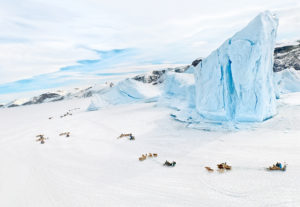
{"points": [[94, 168]]}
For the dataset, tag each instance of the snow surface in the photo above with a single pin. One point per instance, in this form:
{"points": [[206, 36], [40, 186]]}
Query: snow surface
{"points": [[235, 82], [94, 168]]}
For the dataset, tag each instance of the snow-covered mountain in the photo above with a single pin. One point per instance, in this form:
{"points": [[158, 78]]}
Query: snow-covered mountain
{"points": [[56, 95], [156, 76]]}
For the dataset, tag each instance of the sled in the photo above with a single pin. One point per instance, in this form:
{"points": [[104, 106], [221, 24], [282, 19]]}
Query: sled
{"points": [[170, 164], [65, 133], [274, 167]]}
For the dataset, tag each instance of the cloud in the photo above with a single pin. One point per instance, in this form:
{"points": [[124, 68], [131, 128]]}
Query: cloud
{"points": [[42, 37], [109, 63]]}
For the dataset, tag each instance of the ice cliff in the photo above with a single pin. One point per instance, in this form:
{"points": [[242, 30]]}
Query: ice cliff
{"points": [[235, 82]]}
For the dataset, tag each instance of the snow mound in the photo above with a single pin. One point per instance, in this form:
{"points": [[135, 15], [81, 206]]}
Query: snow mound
{"points": [[97, 103], [235, 82], [127, 91]]}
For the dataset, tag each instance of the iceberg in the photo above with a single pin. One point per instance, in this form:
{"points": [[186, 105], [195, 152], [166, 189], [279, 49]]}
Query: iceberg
{"points": [[235, 82]]}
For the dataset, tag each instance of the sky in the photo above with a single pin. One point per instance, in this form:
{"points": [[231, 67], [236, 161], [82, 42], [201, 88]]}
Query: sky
{"points": [[39, 39]]}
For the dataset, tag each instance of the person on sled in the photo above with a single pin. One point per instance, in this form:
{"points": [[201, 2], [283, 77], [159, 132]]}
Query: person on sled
{"points": [[278, 164]]}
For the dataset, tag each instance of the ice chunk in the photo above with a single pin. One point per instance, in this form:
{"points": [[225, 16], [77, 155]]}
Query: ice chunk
{"points": [[235, 82], [97, 103], [179, 90], [287, 81]]}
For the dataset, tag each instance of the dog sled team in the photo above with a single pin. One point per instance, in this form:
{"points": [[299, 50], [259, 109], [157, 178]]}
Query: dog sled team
{"points": [[221, 166], [278, 166], [150, 155], [225, 166], [41, 138], [144, 156], [67, 134], [66, 114], [129, 136]]}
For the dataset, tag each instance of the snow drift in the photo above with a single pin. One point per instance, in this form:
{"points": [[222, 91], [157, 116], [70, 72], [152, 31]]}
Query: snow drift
{"points": [[235, 82], [127, 91]]}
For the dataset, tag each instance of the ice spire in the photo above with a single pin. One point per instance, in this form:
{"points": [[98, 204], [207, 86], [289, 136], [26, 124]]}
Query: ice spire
{"points": [[235, 81]]}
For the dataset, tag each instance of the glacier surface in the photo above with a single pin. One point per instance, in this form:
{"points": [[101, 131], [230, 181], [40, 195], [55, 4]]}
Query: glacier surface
{"points": [[235, 82]]}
